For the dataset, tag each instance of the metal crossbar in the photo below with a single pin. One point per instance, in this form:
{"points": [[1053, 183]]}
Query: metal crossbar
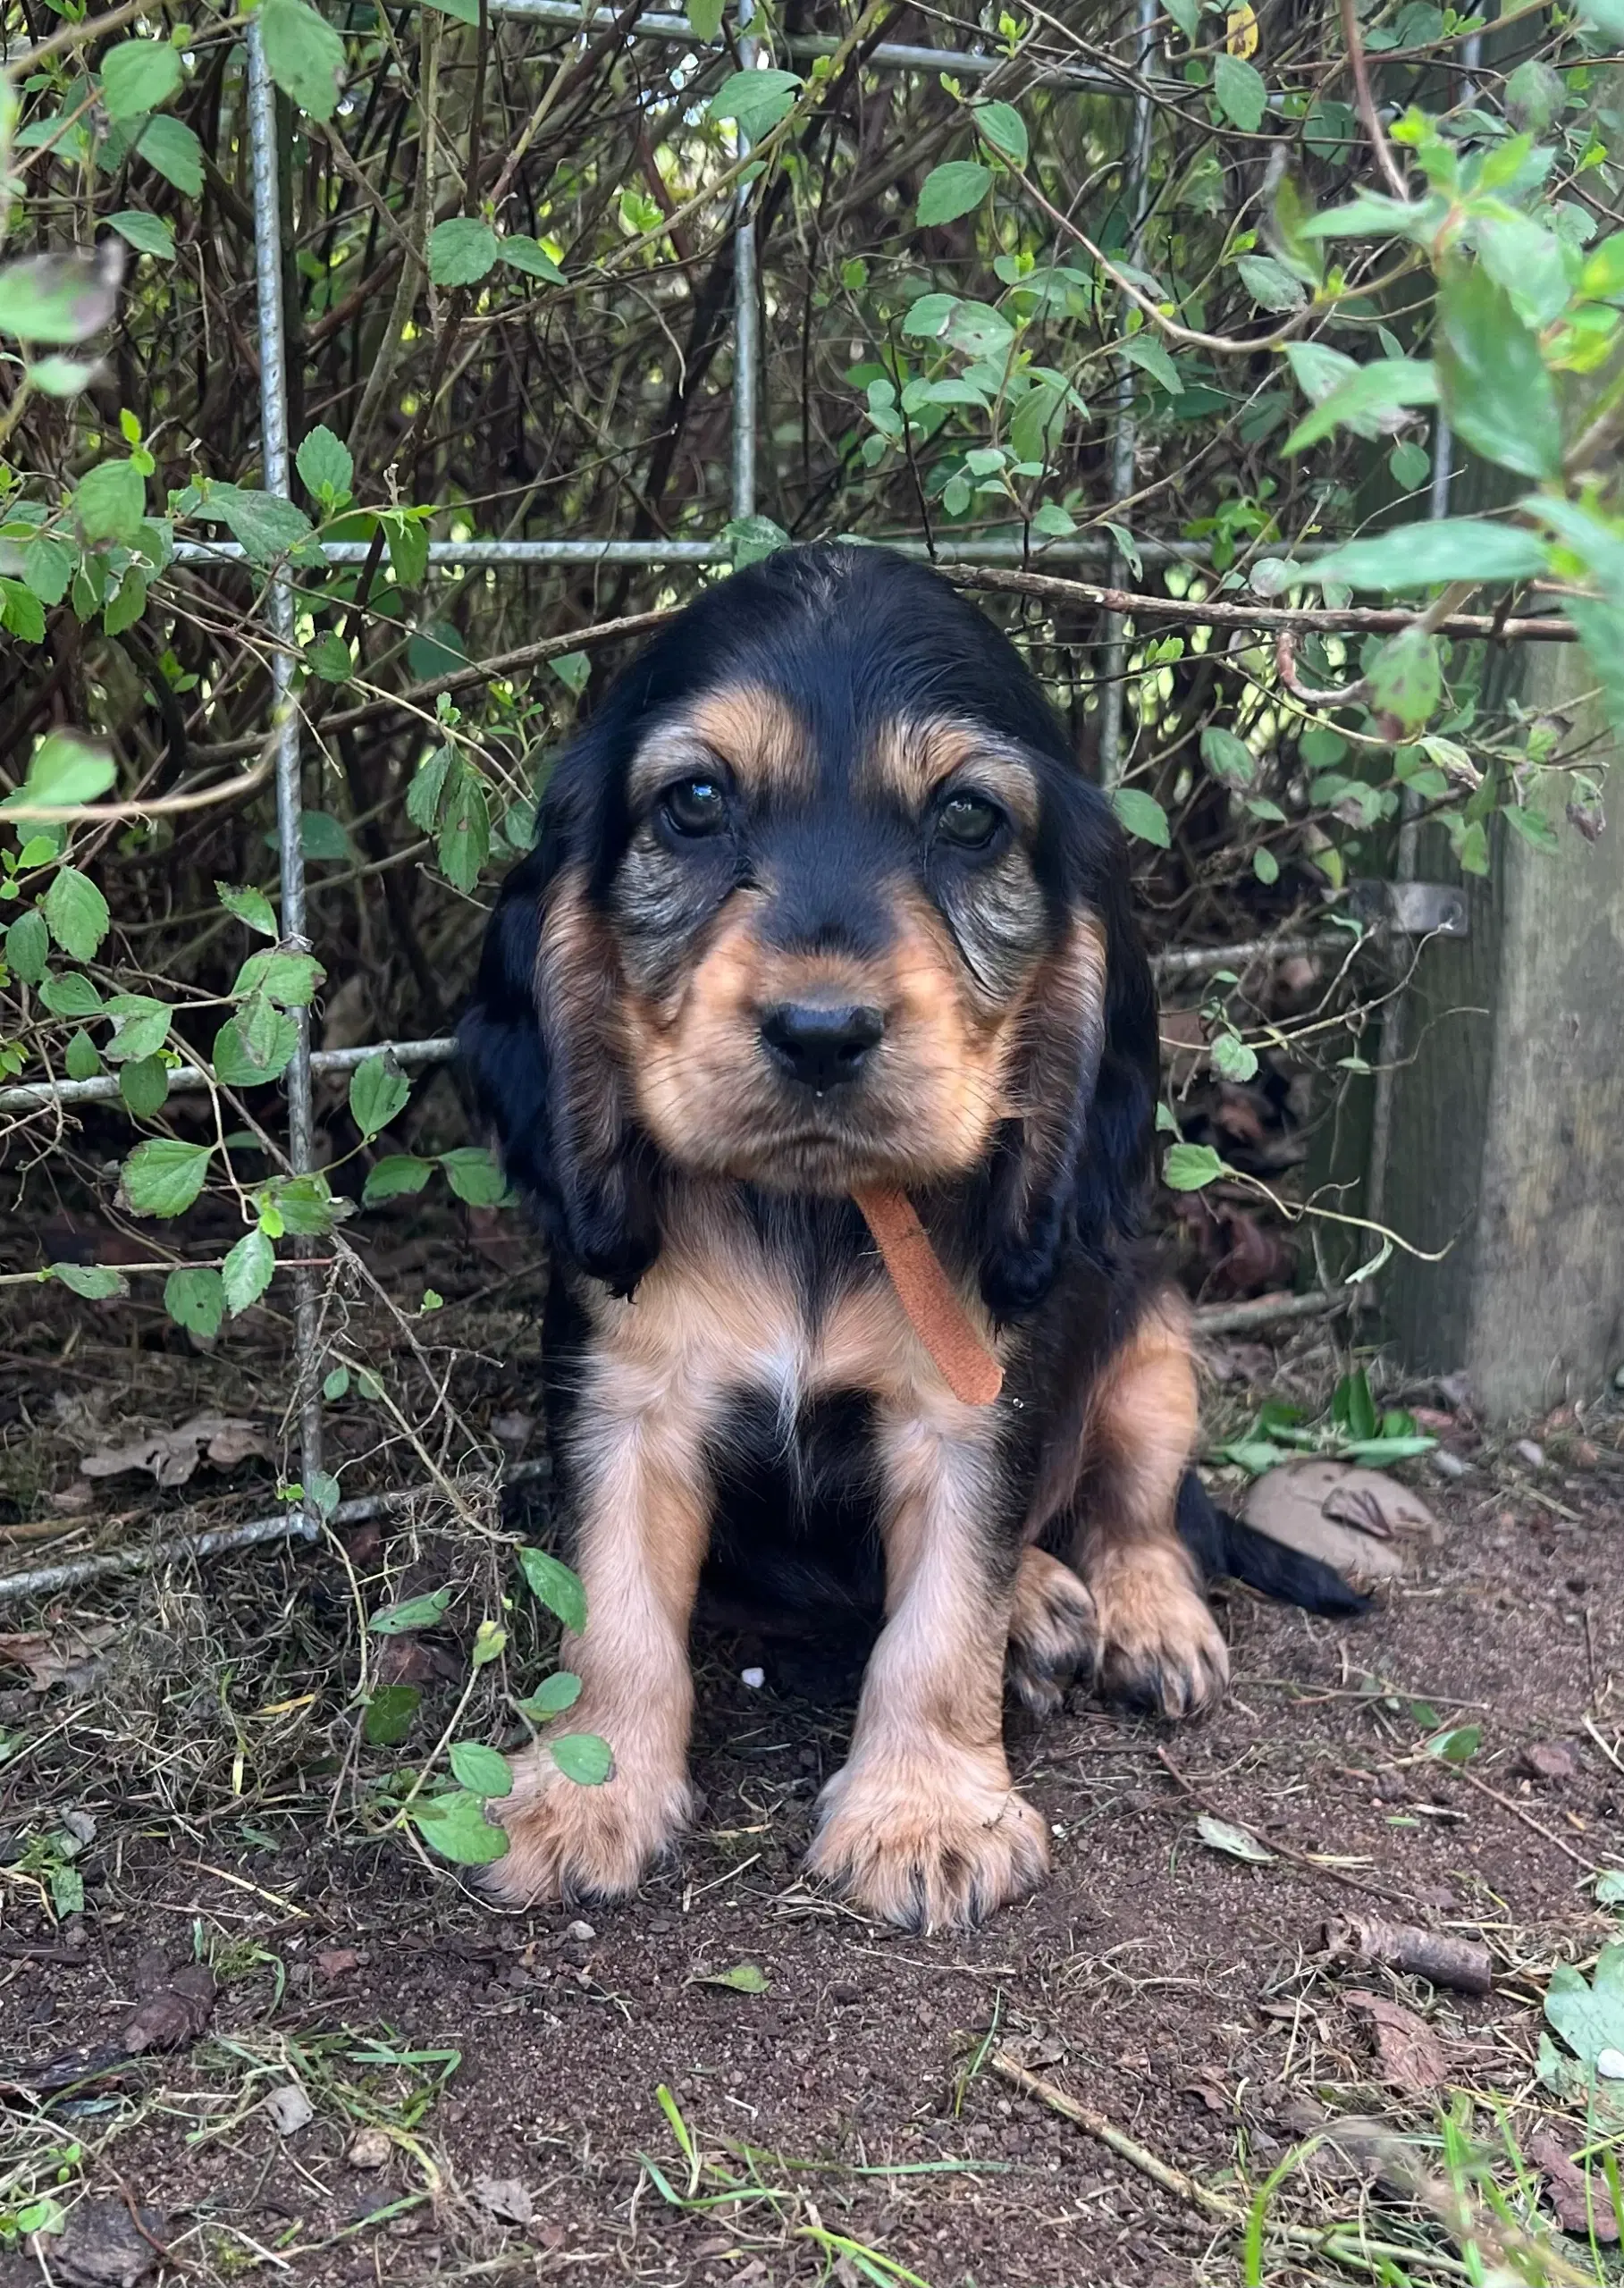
{"points": [[1138, 84]]}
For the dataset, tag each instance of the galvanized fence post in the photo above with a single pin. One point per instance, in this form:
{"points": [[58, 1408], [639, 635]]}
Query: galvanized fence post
{"points": [[279, 611], [1124, 433]]}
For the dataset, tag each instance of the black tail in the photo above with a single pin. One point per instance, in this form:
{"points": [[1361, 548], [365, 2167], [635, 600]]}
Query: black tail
{"points": [[1221, 1543]]}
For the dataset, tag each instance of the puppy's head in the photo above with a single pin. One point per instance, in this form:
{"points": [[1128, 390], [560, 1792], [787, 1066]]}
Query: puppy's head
{"points": [[819, 900]]}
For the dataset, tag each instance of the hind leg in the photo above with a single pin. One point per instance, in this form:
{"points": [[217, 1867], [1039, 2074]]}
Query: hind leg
{"points": [[1158, 1647], [1053, 1632]]}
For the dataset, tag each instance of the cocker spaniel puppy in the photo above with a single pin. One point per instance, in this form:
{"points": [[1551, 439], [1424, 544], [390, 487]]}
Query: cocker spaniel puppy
{"points": [[817, 1029]]}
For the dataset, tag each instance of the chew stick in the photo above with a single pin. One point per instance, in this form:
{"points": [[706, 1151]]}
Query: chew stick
{"points": [[938, 1318]]}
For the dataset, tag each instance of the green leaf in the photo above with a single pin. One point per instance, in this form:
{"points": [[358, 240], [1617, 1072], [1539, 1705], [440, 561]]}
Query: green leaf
{"points": [[70, 995], [76, 914], [80, 1061], [388, 1715], [744, 1978], [1527, 262], [28, 947], [379, 1092], [583, 1757], [755, 101], [171, 148], [554, 1586], [461, 251], [408, 550], [123, 610], [1458, 1746], [1002, 126], [325, 464], [141, 1026], [474, 1175], [267, 525], [1600, 631], [1190, 1167], [139, 75], [464, 842], [490, 1641], [290, 980], [750, 539], [335, 1385], [22, 613], [110, 502], [529, 256], [249, 906], [62, 770], [1602, 277], [1141, 814], [482, 1770], [164, 1176], [247, 1270], [1495, 386], [1151, 355], [396, 1174], [423, 796], [1406, 677], [413, 1612], [552, 1696], [1609, 1887], [195, 1298], [1589, 2017], [234, 1058], [573, 668], [1234, 1058], [61, 298], [704, 19], [1270, 284], [1368, 400], [1419, 555], [60, 377], [456, 1826], [303, 53], [955, 188], [1536, 96], [144, 1086], [1230, 760], [1234, 1842], [96, 1282], [1242, 92], [147, 233]]}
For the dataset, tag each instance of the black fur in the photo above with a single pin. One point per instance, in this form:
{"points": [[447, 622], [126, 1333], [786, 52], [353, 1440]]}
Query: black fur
{"points": [[1225, 1546]]}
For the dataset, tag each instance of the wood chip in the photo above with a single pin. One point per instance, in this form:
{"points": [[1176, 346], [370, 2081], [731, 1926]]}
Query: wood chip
{"points": [[1582, 2202], [1407, 2048]]}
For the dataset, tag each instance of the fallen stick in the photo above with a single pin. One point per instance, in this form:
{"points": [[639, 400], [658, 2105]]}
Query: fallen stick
{"points": [[1436, 1955]]}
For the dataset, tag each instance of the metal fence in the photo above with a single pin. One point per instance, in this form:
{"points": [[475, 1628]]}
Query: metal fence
{"points": [[1136, 85]]}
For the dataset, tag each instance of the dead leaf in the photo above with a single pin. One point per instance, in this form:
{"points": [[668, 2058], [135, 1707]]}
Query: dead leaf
{"points": [[1218, 1835], [1549, 1760], [337, 1962], [65, 1655], [1406, 2046], [744, 1978], [176, 2015], [288, 2108], [1035, 2051], [1362, 1522], [171, 1456], [1581, 2200], [368, 2149], [505, 2199], [102, 2246]]}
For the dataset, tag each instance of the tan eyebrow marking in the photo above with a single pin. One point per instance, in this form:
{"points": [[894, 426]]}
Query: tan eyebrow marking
{"points": [[753, 730], [913, 760]]}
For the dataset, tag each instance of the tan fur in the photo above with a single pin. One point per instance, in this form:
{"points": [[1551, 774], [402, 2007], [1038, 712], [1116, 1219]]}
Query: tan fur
{"points": [[912, 762], [1053, 1631], [759, 737], [923, 1826], [708, 1097], [1157, 1638]]}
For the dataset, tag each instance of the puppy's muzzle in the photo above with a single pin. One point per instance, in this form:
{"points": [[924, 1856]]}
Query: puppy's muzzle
{"points": [[821, 1044]]}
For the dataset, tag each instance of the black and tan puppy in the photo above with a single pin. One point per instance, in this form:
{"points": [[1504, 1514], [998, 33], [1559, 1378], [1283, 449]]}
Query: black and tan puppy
{"points": [[820, 905]]}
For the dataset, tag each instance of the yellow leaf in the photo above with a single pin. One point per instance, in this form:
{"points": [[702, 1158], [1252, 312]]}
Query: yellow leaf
{"points": [[1241, 36]]}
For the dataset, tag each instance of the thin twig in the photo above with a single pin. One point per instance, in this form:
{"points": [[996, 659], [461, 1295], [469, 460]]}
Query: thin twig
{"points": [[1392, 174]]}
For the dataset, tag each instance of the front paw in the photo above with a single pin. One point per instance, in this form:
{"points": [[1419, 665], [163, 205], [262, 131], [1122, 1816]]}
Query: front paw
{"points": [[932, 1841], [1160, 1646], [1053, 1632], [569, 1842]]}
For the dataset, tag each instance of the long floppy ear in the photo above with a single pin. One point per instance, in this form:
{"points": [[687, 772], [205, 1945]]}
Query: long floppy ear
{"points": [[538, 1039], [1074, 1168]]}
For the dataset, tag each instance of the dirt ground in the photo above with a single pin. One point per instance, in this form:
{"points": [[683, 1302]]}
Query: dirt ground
{"points": [[853, 2118]]}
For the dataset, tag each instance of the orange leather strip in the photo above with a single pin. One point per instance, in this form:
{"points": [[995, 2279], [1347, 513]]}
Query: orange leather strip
{"points": [[938, 1318]]}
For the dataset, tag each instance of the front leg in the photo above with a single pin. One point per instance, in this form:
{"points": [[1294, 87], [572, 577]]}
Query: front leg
{"points": [[643, 1516], [922, 1827]]}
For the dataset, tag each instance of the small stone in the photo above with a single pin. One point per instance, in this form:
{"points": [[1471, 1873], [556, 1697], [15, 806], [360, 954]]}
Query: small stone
{"points": [[1610, 2064], [1549, 1760], [1446, 1464], [288, 2108], [368, 2150], [1533, 1454], [505, 2199], [581, 1933], [755, 1677]]}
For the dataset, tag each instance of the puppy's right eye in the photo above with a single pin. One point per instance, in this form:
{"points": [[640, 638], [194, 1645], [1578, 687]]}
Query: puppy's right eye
{"points": [[696, 806]]}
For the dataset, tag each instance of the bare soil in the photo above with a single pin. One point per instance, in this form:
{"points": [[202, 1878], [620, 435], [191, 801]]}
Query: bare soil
{"points": [[849, 2121]]}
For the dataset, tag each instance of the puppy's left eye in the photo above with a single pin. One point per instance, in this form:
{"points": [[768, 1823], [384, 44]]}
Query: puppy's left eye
{"points": [[696, 806], [970, 821]]}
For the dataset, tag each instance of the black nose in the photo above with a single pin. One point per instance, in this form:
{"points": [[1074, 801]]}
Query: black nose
{"points": [[819, 1046]]}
